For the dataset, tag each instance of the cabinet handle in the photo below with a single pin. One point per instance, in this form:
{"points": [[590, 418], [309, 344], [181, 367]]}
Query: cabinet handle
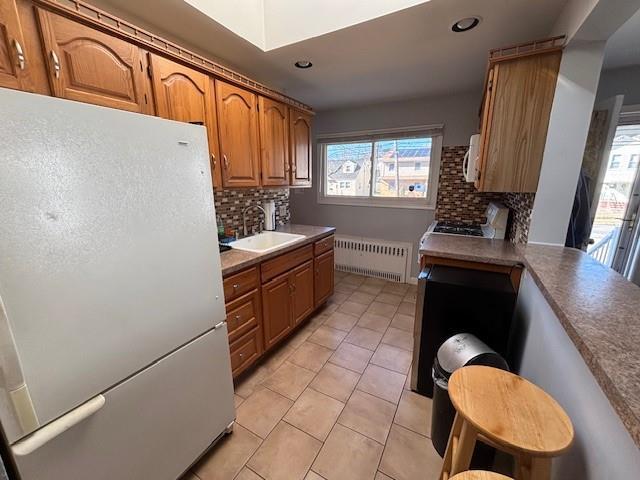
{"points": [[236, 286], [241, 355], [226, 161], [19, 54], [237, 318], [56, 64], [213, 161]]}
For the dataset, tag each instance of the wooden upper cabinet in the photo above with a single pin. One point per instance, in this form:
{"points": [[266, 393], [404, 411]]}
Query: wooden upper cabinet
{"points": [[238, 134], [14, 58], [274, 142], [92, 67], [515, 119], [300, 147], [186, 95]]}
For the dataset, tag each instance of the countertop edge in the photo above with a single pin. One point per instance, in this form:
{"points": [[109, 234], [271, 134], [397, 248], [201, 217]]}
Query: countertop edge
{"points": [[257, 258], [613, 394]]}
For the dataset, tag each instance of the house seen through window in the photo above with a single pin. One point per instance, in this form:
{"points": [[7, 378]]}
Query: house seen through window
{"points": [[394, 168]]}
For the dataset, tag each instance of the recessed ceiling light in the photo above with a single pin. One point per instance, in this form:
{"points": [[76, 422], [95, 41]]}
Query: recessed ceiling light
{"points": [[303, 64], [465, 24]]}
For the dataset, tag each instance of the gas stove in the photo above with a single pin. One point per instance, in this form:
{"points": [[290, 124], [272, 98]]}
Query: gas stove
{"points": [[453, 228]]}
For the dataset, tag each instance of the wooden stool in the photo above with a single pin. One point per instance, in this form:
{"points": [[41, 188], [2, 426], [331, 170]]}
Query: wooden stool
{"points": [[509, 413], [479, 475]]}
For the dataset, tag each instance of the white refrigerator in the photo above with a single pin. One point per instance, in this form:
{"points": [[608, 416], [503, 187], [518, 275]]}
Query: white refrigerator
{"points": [[113, 342]]}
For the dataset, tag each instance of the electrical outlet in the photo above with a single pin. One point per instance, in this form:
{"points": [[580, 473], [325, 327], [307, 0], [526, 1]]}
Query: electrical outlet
{"points": [[282, 210]]}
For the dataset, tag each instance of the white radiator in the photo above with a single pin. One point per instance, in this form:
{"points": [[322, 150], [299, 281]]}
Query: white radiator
{"points": [[373, 258]]}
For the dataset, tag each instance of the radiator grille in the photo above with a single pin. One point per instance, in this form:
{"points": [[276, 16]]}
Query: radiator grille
{"points": [[373, 258]]}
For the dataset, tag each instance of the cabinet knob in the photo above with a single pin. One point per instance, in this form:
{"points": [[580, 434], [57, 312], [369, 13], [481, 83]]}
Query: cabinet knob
{"points": [[237, 317], [236, 286], [241, 356]]}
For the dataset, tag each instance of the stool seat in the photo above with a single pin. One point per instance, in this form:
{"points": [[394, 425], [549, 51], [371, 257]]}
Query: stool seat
{"points": [[479, 475], [510, 411]]}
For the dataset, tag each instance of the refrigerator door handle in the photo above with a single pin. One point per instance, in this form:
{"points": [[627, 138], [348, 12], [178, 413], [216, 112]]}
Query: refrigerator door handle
{"points": [[60, 425]]}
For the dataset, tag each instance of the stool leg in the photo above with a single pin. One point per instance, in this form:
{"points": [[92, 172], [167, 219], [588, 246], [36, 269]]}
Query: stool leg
{"points": [[533, 468], [466, 446], [451, 446], [540, 468]]}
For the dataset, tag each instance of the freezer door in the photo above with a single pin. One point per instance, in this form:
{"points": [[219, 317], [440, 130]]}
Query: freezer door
{"points": [[152, 426], [108, 252]]}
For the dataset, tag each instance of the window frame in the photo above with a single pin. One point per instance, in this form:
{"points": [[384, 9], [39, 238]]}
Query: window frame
{"points": [[429, 203]]}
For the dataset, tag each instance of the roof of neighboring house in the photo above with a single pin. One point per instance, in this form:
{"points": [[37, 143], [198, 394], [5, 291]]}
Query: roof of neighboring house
{"points": [[340, 175]]}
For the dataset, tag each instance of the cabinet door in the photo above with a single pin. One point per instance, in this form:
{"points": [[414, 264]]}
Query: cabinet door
{"points": [[518, 117], [302, 280], [186, 95], [238, 134], [276, 309], [300, 147], [323, 277], [92, 67], [13, 55], [274, 142]]}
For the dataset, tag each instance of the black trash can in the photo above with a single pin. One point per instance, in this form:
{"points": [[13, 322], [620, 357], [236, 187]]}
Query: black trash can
{"points": [[458, 351]]}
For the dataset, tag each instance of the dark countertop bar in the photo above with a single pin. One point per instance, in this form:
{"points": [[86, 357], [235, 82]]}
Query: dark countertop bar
{"points": [[235, 260], [598, 308]]}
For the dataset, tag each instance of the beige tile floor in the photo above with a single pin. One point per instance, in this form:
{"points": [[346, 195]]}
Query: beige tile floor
{"points": [[333, 402]]}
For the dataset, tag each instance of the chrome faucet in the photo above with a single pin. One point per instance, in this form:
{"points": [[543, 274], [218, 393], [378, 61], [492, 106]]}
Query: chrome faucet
{"points": [[244, 217]]}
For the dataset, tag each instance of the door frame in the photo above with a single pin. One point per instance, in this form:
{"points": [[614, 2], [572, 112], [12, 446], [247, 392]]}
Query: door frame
{"points": [[626, 253]]}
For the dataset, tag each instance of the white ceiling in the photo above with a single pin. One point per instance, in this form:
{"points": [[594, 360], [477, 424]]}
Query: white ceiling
{"points": [[407, 54], [623, 48]]}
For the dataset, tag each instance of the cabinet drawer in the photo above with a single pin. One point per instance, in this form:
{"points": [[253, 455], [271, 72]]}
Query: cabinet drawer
{"points": [[240, 283], [243, 314], [323, 245], [283, 263], [246, 350]]}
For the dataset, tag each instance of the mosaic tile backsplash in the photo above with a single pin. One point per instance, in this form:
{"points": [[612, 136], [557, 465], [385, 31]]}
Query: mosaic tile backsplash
{"points": [[231, 203], [459, 201]]}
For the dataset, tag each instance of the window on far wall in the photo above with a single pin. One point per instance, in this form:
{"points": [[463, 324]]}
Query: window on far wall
{"points": [[615, 161], [395, 170]]}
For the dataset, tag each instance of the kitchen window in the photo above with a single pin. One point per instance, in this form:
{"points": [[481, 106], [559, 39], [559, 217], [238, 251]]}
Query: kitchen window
{"points": [[391, 168]]}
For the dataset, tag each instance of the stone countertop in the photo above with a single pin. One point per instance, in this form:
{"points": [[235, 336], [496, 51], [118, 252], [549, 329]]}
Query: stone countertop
{"points": [[235, 260], [470, 249], [598, 308]]}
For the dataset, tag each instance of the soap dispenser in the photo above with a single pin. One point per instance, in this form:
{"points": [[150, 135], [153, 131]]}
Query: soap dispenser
{"points": [[270, 215]]}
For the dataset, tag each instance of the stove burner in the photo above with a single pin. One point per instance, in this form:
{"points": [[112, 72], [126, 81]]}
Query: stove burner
{"points": [[458, 229]]}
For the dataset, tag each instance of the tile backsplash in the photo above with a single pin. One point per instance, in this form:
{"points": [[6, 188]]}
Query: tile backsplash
{"points": [[230, 204], [459, 201]]}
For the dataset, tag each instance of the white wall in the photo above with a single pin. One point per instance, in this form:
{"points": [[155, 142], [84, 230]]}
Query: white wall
{"points": [[603, 448], [460, 117], [290, 21], [625, 81], [568, 128], [243, 17]]}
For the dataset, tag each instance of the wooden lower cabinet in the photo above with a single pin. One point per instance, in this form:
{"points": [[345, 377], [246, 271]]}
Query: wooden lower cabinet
{"points": [[265, 304], [302, 297], [323, 287], [276, 308], [245, 351]]}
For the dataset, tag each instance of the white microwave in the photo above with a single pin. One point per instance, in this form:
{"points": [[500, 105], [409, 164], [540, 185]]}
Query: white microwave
{"points": [[470, 164]]}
